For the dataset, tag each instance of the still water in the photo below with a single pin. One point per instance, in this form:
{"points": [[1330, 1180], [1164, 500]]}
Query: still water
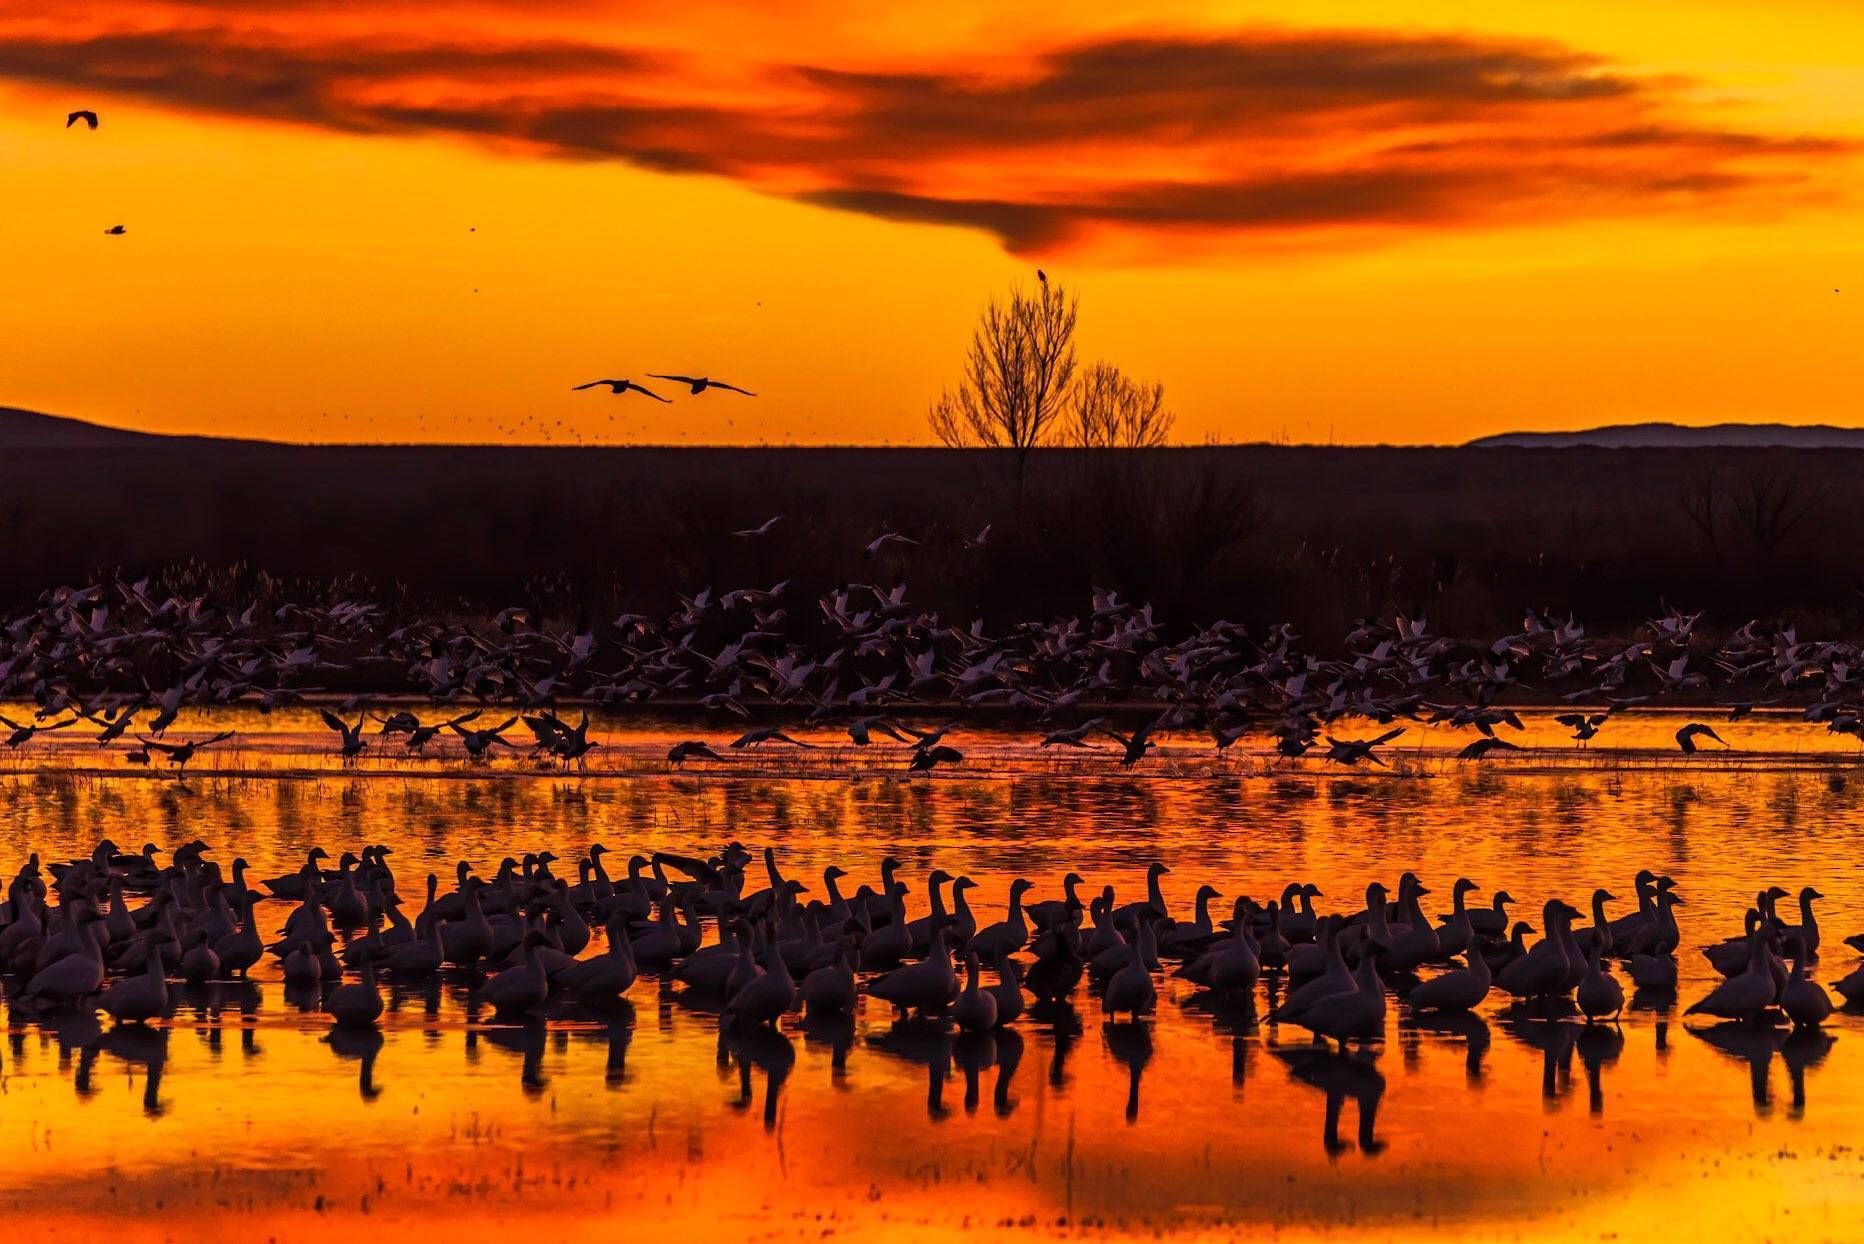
{"points": [[245, 1118]]}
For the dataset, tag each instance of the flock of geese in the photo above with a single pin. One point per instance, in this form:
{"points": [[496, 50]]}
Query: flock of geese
{"points": [[131, 659], [110, 931]]}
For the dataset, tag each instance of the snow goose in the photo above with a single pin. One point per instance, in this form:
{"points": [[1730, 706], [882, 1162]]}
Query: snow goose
{"points": [[976, 1008], [1462, 989]]}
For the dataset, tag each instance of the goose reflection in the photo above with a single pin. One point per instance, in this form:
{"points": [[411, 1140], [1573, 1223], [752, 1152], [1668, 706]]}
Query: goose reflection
{"points": [[1340, 1076], [836, 1033], [1064, 1026], [1009, 1058], [1130, 1043], [926, 1044], [1802, 1051], [1598, 1047], [765, 1049], [1465, 1026], [974, 1053], [1554, 1038], [136, 1045], [526, 1040], [349, 1041], [1747, 1043]]}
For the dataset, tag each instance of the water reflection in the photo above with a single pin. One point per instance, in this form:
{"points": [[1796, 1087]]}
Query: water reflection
{"points": [[1199, 1118]]}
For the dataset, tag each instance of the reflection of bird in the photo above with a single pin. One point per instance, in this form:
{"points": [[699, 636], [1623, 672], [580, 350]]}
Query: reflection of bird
{"points": [[1687, 736], [90, 119], [699, 384], [619, 387]]}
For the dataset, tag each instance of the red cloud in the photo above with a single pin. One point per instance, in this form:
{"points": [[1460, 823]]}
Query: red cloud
{"points": [[1261, 132]]}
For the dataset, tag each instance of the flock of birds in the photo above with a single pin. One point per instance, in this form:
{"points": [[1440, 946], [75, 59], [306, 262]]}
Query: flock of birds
{"points": [[131, 659], [110, 931]]}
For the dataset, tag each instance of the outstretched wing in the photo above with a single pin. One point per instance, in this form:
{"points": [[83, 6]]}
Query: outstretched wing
{"points": [[334, 722], [720, 384]]}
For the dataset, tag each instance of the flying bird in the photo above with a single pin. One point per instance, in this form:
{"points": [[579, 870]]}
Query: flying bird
{"points": [[699, 384], [680, 753], [179, 754], [888, 539], [762, 529], [618, 387], [979, 540], [1483, 746], [115, 231], [83, 114], [1687, 736]]}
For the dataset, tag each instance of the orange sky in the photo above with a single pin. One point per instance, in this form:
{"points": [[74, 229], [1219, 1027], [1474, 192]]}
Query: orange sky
{"points": [[1356, 221]]}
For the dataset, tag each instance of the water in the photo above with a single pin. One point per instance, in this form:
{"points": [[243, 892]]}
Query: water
{"points": [[244, 1118]]}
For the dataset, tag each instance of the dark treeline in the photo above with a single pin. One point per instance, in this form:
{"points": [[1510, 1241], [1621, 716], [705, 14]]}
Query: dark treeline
{"points": [[1315, 536]]}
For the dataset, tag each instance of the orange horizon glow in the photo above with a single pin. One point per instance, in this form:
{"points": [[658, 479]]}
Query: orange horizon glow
{"points": [[1362, 221]]}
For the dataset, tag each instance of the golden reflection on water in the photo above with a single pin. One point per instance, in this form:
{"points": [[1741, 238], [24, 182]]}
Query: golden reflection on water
{"points": [[245, 1118]]}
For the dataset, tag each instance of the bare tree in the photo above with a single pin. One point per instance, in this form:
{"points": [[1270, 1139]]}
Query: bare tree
{"points": [[1017, 376], [1112, 411]]}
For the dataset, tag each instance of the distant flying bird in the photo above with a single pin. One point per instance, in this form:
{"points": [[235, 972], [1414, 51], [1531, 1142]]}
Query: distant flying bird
{"points": [[115, 231], [83, 114], [979, 540], [1483, 746], [887, 540], [1584, 726], [699, 384], [762, 529], [930, 758], [179, 754], [619, 387], [22, 734], [680, 753], [1687, 736]]}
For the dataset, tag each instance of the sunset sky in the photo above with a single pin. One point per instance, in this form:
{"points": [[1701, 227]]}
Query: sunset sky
{"points": [[1357, 221]]}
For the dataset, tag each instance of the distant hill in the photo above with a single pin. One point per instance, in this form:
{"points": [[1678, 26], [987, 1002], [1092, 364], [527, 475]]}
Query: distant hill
{"points": [[1677, 436], [30, 429]]}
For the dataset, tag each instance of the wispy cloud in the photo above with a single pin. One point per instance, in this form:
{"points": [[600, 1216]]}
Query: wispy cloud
{"points": [[1252, 133]]}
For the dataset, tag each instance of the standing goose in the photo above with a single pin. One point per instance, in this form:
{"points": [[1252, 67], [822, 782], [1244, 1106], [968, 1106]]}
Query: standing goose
{"points": [[1747, 994], [356, 1004], [1805, 1002], [1600, 996], [138, 999], [1008, 990], [1008, 935], [976, 1008], [607, 975], [1130, 990], [831, 990], [1456, 991], [763, 999], [520, 989], [925, 987], [1358, 1013]]}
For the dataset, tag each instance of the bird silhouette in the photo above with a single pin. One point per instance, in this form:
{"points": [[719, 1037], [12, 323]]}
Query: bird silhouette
{"points": [[699, 384], [83, 114], [619, 387], [1687, 736]]}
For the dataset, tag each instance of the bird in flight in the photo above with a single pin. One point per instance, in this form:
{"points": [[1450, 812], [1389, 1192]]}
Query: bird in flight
{"points": [[762, 529], [1687, 736], [619, 387], [115, 231], [83, 114], [699, 384], [888, 540]]}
